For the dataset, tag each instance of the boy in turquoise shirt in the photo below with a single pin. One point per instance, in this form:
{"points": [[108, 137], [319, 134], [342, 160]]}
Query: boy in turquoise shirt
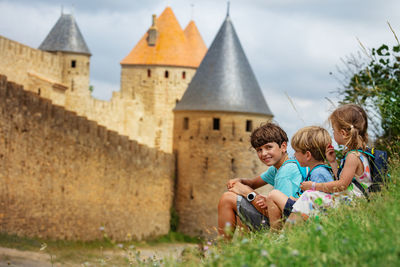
{"points": [[270, 142]]}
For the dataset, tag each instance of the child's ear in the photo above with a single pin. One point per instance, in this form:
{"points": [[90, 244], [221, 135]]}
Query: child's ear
{"points": [[284, 147], [308, 155], [343, 132]]}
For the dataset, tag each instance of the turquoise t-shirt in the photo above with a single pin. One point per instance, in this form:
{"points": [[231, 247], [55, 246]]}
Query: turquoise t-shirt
{"points": [[287, 179]]}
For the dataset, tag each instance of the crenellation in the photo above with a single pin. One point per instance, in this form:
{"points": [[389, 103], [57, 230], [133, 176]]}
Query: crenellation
{"points": [[102, 133]]}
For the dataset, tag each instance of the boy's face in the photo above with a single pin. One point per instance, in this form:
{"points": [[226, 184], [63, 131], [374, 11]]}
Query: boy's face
{"points": [[302, 158], [270, 153]]}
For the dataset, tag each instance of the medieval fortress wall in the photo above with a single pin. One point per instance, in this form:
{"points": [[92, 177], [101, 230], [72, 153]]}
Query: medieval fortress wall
{"points": [[142, 110], [64, 176]]}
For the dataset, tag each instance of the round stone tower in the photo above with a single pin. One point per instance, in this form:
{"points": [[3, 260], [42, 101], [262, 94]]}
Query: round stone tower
{"points": [[66, 40], [212, 125], [157, 72]]}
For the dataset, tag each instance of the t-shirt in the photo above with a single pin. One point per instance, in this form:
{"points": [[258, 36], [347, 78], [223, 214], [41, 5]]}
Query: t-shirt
{"points": [[287, 179], [320, 175]]}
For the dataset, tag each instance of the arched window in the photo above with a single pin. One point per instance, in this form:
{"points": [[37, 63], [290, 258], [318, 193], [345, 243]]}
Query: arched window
{"points": [[166, 75], [183, 74], [148, 73]]}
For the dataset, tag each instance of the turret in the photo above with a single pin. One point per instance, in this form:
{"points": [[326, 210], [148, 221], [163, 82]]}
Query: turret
{"points": [[212, 125], [156, 73], [66, 40]]}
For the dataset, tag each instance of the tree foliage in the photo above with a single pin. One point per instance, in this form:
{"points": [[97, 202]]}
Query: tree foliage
{"points": [[374, 83]]}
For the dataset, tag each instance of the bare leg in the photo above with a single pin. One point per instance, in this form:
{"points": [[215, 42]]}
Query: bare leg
{"points": [[276, 202], [227, 215]]}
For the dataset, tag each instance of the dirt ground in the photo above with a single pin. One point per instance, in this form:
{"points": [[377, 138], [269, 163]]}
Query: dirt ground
{"points": [[14, 257]]}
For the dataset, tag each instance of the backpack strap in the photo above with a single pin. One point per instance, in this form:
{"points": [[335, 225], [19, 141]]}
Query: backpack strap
{"points": [[304, 171]]}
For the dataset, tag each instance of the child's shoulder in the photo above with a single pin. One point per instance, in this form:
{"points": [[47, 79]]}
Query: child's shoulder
{"points": [[321, 174], [292, 167]]}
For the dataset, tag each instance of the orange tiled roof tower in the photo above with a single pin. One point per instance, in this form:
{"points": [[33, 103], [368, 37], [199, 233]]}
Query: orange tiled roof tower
{"points": [[166, 44]]}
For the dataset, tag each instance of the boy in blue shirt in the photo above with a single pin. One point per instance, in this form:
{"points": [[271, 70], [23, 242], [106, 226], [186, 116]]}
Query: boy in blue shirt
{"points": [[310, 144], [270, 142]]}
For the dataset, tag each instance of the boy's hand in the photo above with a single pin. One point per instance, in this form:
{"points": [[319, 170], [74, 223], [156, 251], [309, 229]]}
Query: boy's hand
{"points": [[330, 154], [306, 185], [240, 189], [232, 182], [261, 201]]}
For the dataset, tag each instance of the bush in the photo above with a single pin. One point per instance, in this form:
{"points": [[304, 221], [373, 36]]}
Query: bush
{"points": [[373, 81]]}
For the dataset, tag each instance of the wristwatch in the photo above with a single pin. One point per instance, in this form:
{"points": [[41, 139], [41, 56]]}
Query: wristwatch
{"points": [[251, 196]]}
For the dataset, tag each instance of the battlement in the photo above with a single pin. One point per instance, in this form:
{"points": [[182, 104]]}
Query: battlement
{"points": [[42, 58], [61, 165], [79, 126]]}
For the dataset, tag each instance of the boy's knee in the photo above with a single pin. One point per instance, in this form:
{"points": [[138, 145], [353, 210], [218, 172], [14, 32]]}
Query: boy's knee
{"points": [[274, 193], [227, 199]]}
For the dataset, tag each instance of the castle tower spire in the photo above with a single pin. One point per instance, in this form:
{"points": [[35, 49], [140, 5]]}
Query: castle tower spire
{"points": [[224, 80], [195, 42], [65, 36]]}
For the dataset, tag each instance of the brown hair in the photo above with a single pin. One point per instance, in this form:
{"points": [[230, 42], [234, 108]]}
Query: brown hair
{"points": [[314, 139], [352, 119], [268, 133]]}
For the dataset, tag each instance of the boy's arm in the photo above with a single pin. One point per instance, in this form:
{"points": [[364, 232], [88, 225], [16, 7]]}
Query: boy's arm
{"points": [[254, 183], [244, 190]]}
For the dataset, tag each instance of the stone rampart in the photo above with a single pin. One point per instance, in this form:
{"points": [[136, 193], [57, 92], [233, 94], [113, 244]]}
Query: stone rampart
{"points": [[64, 177], [18, 60]]}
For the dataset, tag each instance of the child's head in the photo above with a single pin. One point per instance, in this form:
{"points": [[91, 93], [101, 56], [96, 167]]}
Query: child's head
{"points": [[350, 124], [268, 133], [314, 139], [270, 142]]}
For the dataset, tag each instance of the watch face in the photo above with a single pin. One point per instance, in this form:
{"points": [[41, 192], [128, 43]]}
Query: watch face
{"points": [[251, 196]]}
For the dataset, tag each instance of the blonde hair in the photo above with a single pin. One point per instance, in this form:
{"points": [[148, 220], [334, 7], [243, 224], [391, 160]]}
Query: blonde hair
{"points": [[314, 139], [353, 120]]}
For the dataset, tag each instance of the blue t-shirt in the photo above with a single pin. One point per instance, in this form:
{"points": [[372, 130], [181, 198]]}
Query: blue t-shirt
{"points": [[287, 179], [320, 175]]}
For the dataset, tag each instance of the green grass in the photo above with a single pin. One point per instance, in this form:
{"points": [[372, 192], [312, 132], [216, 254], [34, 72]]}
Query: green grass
{"points": [[363, 234]]}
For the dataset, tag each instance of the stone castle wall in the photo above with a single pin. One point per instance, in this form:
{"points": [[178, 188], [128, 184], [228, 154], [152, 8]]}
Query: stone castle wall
{"points": [[63, 176], [206, 159], [142, 110], [49, 74]]}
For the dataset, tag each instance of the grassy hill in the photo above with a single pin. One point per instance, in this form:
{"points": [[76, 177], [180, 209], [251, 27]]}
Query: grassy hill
{"points": [[363, 234]]}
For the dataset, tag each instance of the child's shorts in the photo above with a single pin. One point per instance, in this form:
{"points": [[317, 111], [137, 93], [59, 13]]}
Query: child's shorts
{"points": [[250, 216], [288, 207]]}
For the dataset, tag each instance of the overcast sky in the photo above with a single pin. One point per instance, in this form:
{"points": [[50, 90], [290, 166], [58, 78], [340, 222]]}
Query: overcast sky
{"points": [[292, 45]]}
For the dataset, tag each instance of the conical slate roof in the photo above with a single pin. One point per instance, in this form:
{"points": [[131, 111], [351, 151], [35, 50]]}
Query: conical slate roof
{"points": [[65, 36], [224, 80]]}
